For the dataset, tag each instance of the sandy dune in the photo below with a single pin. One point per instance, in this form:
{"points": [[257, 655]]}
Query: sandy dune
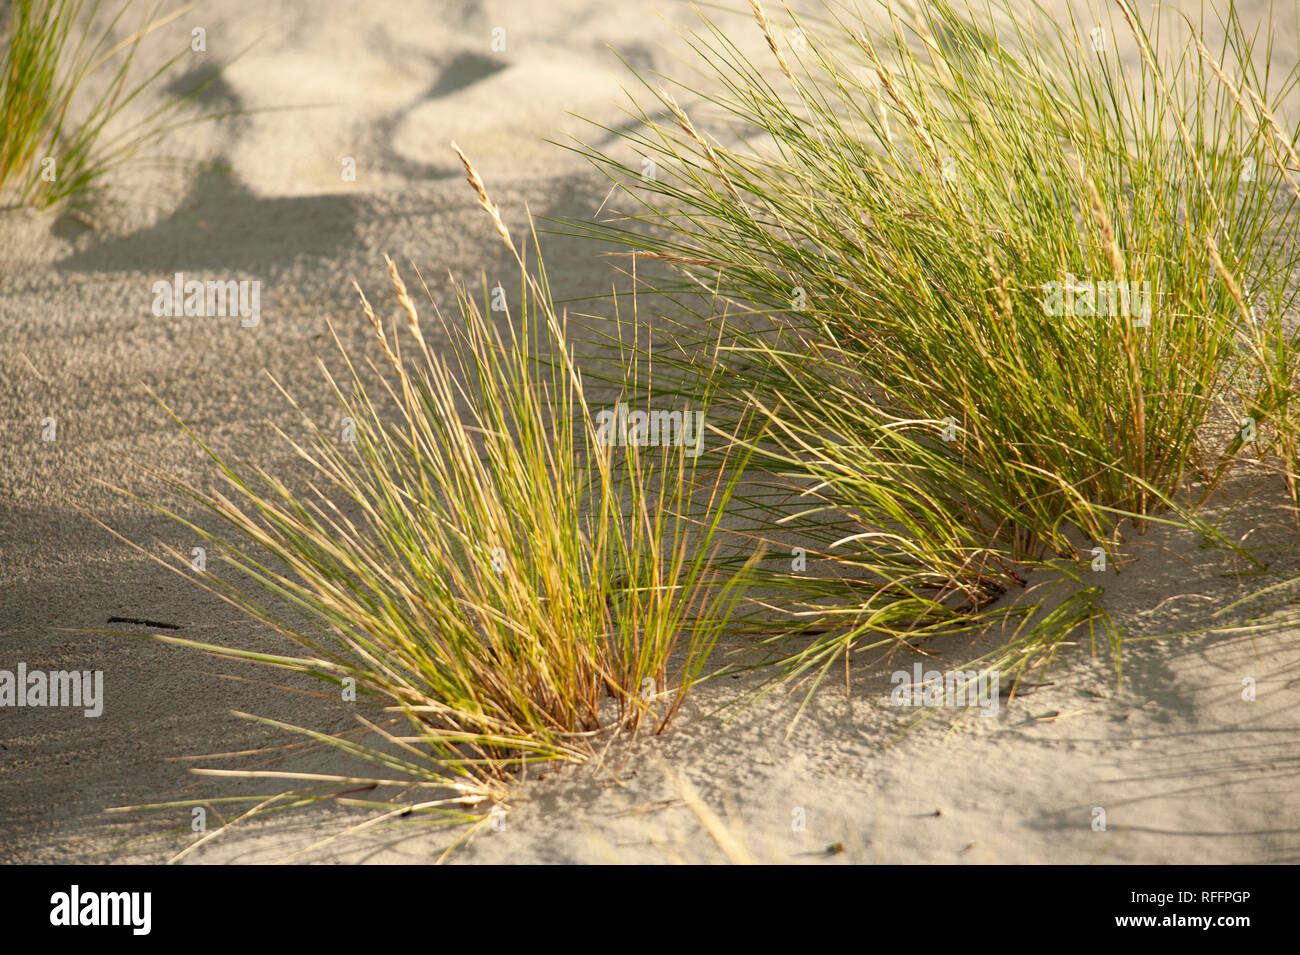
{"points": [[1186, 770]]}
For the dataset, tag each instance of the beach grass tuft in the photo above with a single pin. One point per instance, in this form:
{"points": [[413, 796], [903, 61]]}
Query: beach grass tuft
{"points": [[47, 155], [1002, 288], [470, 557]]}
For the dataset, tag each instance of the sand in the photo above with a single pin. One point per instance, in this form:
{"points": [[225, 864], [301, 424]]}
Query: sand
{"points": [[1185, 769]]}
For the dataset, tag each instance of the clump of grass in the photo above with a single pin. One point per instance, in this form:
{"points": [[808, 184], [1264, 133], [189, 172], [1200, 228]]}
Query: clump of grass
{"points": [[476, 563], [884, 221], [46, 157]]}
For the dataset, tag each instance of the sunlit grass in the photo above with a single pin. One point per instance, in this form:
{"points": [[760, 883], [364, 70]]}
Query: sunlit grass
{"points": [[47, 155], [874, 220], [469, 557]]}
